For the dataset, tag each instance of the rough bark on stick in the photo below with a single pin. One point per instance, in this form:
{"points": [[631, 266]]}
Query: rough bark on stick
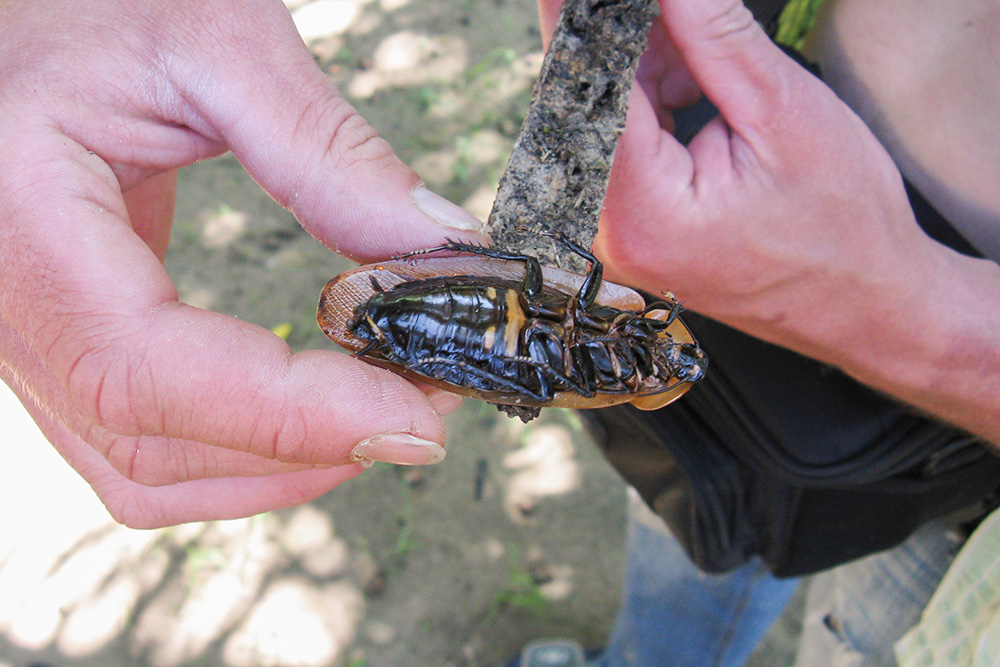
{"points": [[558, 172]]}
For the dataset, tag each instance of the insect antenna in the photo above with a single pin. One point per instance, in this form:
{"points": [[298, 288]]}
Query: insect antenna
{"points": [[449, 244]]}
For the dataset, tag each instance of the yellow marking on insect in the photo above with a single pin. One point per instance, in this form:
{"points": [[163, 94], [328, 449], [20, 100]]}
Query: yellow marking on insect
{"points": [[491, 293], [490, 337], [515, 322]]}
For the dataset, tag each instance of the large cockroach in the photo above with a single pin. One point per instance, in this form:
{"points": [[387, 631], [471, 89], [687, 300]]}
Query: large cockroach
{"points": [[491, 325]]}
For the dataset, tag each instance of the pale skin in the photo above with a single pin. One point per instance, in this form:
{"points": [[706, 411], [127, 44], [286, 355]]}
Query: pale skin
{"points": [[788, 221], [172, 413], [787, 218]]}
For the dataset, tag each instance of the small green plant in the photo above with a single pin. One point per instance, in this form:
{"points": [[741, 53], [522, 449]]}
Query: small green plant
{"points": [[428, 96], [796, 20], [394, 557], [405, 543], [496, 60], [521, 590]]}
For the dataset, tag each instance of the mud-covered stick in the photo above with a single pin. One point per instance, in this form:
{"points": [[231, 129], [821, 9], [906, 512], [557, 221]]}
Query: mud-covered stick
{"points": [[558, 171]]}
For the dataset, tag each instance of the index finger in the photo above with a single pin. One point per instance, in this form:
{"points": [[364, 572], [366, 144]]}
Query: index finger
{"points": [[306, 145], [732, 59]]}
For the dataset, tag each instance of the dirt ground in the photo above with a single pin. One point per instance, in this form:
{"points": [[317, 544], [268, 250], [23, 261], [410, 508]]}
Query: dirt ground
{"points": [[517, 535]]}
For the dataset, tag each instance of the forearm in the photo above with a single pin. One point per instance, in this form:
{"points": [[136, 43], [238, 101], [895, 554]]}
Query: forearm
{"points": [[927, 333], [926, 94]]}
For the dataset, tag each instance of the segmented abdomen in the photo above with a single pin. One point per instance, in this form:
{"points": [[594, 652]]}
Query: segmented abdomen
{"points": [[443, 329]]}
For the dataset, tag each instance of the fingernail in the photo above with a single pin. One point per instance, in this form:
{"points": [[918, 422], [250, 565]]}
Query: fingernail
{"points": [[443, 212], [399, 448]]}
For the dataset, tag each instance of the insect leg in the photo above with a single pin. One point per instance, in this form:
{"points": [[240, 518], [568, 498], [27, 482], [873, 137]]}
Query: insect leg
{"points": [[471, 248], [378, 338], [673, 309], [480, 373], [372, 344], [572, 384], [584, 367], [544, 358], [592, 284]]}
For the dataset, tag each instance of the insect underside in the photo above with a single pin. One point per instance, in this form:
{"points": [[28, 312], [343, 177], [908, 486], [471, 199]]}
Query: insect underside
{"points": [[493, 327]]}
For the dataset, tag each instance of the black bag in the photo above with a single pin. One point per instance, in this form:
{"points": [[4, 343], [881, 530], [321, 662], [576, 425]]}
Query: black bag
{"points": [[777, 455]]}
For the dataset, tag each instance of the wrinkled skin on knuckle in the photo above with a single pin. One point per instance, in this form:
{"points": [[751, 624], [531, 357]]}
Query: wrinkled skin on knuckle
{"points": [[350, 138], [348, 142], [111, 386], [292, 440], [733, 22], [299, 428], [140, 460]]}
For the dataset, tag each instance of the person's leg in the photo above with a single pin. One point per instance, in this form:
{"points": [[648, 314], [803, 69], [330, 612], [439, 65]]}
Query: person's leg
{"points": [[856, 612], [674, 614]]}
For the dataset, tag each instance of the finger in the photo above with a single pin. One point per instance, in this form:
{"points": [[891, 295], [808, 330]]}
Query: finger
{"points": [[650, 189], [151, 210], [650, 164], [158, 461], [548, 15], [138, 506], [214, 499], [731, 58], [147, 460], [664, 77], [312, 151], [444, 402], [92, 299]]}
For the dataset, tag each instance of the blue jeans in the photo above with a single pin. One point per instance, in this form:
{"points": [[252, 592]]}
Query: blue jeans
{"points": [[675, 615]]}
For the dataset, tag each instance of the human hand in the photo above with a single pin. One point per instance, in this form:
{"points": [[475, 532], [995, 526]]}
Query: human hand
{"points": [[786, 218], [779, 212], [171, 413]]}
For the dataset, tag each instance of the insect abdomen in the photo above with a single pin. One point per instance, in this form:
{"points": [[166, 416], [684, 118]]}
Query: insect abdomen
{"points": [[449, 328]]}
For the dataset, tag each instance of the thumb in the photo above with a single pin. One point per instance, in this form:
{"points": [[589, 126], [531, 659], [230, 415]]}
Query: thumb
{"points": [[311, 150], [730, 56]]}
